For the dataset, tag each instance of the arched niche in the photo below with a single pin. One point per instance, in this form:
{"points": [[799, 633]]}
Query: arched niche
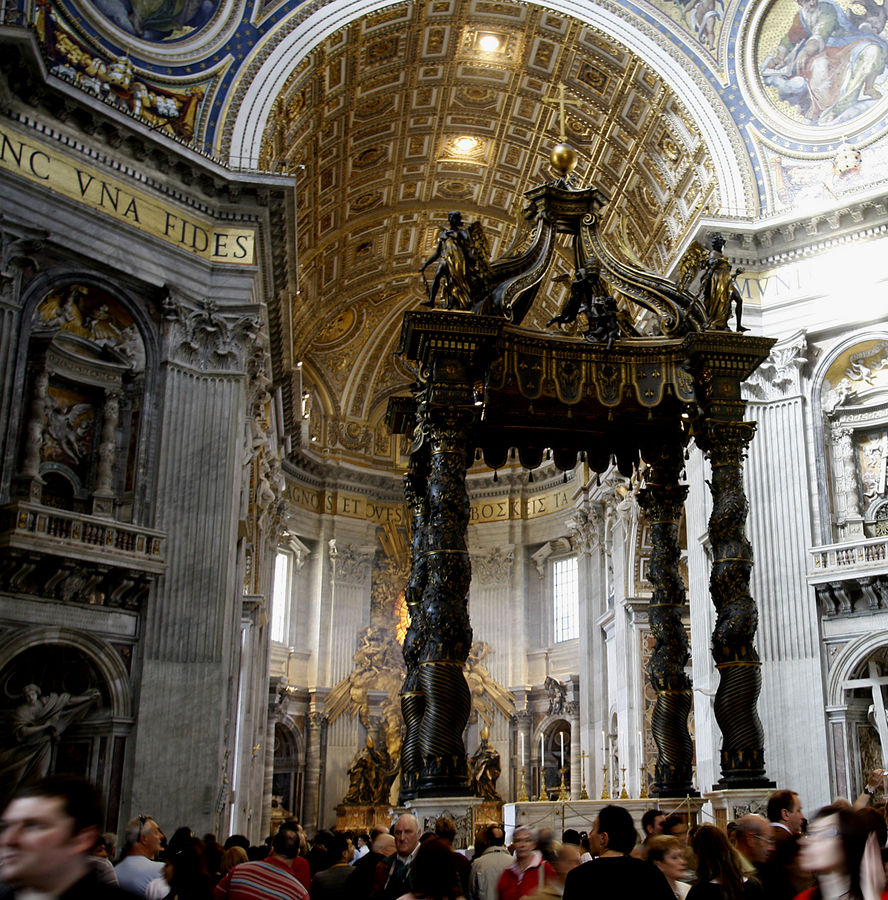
{"points": [[83, 426], [856, 722], [851, 390], [67, 698], [554, 729], [288, 772]]}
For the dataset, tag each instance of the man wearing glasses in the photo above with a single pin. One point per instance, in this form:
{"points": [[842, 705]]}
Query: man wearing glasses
{"points": [[138, 867], [754, 843]]}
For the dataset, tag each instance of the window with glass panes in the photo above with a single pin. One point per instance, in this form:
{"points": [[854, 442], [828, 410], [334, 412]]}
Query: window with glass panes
{"points": [[566, 596], [280, 596]]}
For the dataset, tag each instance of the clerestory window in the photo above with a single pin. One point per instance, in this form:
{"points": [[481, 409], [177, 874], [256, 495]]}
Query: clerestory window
{"points": [[566, 599]]}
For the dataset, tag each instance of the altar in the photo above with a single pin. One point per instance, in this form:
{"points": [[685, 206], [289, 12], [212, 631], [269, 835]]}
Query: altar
{"points": [[719, 807], [580, 814]]}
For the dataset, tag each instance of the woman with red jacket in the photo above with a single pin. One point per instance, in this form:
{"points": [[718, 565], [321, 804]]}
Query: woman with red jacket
{"points": [[529, 872]]}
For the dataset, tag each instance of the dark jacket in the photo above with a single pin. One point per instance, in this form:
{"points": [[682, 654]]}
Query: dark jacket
{"points": [[88, 888], [617, 876]]}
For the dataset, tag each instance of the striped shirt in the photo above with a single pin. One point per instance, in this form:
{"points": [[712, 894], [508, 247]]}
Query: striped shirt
{"points": [[271, 879]]}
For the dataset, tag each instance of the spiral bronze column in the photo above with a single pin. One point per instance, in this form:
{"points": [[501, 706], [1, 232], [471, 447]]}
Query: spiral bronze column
{"points": [[447, 632], [662, 499], [412, 697], [733, 648]]}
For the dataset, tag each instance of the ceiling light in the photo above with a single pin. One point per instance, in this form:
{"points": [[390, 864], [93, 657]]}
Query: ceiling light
{"points": [[489, 43], [465, 144]]}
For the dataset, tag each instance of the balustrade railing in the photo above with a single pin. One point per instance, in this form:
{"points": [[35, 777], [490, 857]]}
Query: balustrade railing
{"points": [[866, 555], [30, 526]]}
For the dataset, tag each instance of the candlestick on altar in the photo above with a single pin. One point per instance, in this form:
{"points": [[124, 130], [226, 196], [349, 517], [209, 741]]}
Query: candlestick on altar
{"points": [[583, 758], [562, 788], [605, 793], [623, 794], [543, 797], [642, 780], [522, 794], [521, 745]]}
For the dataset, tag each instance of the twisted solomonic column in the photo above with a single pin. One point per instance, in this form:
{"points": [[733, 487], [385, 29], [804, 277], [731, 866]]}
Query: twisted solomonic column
{"points": [[447, 634], [733, 648], [412, 697], [662, 500]]}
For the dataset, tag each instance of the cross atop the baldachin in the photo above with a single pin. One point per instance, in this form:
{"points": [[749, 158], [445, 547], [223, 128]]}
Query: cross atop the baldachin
{"points": [[561, 101]]}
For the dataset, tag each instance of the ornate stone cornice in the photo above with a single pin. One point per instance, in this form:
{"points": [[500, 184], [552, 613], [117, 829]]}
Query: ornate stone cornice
{"points": [[779, 376], [200, 336], [493, 566]]}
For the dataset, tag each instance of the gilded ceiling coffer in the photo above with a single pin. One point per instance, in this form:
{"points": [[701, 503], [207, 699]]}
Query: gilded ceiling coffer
{"points": [[616, 398]]}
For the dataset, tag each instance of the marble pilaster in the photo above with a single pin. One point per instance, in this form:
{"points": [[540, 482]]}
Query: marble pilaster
{"points": [[190, 648], [315, 751], [788, 634]]}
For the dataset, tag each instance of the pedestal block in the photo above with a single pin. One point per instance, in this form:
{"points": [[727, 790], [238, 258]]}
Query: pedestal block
{"points": [[463, 811]]}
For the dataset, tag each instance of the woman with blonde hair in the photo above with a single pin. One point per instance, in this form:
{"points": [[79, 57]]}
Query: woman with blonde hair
{"points": [[667, 853], [232, 857]]}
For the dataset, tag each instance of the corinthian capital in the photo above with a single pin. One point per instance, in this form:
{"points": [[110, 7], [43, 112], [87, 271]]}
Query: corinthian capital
{"points": [[780, 374], [494, 566], [349, 564], [586, 526], [201, 336]]}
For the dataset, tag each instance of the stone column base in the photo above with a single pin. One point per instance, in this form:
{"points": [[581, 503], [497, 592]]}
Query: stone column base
{"points": [[463, 811], [729, 805], [580, 814]]}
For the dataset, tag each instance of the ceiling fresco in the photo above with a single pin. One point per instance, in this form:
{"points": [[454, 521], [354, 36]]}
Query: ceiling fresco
{"points": [[388, 116]]}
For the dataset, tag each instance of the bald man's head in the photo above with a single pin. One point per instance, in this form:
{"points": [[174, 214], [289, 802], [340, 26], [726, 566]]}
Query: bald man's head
{"points": [[384, 844], [752, 835]]}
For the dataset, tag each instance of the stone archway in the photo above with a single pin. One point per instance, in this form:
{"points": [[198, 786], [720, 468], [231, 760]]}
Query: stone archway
{"points": [[856, 720], [287, 775], [66, 697]]}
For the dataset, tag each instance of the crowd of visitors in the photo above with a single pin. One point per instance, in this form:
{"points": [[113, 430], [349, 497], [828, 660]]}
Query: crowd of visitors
{"points": [[51, 847]]}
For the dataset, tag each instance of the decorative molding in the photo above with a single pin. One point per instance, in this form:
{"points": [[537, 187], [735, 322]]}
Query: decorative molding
{"points": [[300, 552], [540, 558], [586, 527], [349, 564], [201, 337], [494, 566], [779, 376]]}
